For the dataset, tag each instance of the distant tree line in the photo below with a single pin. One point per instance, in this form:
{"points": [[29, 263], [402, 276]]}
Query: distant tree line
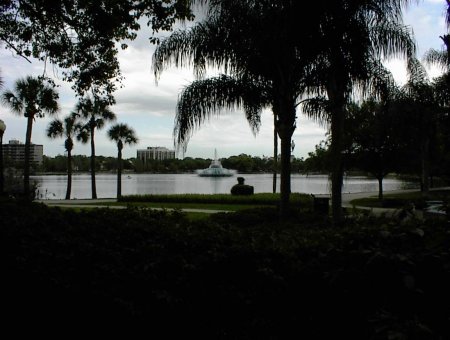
{"points": [[81, 163], [242, 163]]}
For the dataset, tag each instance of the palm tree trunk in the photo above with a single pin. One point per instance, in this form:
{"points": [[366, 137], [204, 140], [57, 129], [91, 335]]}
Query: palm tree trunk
{"points": [[69, 174], [336, 95], [275, 154], [285, 174], [337, 169], [93, 187], [26, 167], [119, 173], [337, 174]]}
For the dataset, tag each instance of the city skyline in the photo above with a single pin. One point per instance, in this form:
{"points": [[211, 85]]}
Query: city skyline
{"points": [[149, 108]]}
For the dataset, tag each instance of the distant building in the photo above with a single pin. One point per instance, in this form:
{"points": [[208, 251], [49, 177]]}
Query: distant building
{"points": [[155, 153], [15, 151]]}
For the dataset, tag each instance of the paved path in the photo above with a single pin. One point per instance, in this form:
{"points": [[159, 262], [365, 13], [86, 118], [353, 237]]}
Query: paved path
{"points": [[348, 197]]}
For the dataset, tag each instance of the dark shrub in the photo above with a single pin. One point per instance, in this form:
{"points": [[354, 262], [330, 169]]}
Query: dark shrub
{"points": [[234, 276]]}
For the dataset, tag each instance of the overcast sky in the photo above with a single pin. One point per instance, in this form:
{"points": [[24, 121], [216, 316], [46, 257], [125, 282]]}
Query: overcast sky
{"points": [[150, 109]]}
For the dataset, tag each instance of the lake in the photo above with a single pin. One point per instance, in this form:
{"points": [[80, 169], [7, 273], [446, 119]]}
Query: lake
{"points": [[54, 186]]}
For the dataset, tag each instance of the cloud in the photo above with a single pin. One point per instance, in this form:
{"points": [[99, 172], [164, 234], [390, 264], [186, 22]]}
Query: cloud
{"points": [[428, 23]]}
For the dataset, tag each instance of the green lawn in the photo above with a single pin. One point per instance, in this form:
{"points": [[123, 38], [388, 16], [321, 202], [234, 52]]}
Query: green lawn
{"points": [[169, 205], [208, 202]]}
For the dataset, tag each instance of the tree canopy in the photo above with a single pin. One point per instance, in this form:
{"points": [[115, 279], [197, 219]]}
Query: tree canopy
{"points": [[83, 36]]}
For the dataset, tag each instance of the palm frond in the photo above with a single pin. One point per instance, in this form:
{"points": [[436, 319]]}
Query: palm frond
{"points": [[83, 134], [416, 71], [9, 99], [438, 58], [317, 108], [122, 133], [95, 112], [55, 129], [204, 98], [392, 39], [377, 82], [205, 44], [32, 96]]}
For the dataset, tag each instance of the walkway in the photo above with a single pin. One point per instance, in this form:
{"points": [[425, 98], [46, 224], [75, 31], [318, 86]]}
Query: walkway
{"points": [[348, 197], [90, 203]]}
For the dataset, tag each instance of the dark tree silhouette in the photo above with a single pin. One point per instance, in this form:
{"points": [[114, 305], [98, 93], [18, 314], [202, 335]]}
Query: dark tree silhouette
{"points": [[81, 36], [95, 113], [121, 134], [67, 128], [31, 98]]}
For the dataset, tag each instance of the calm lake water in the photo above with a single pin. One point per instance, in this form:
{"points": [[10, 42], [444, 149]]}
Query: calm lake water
{"points": [[54, 186]]}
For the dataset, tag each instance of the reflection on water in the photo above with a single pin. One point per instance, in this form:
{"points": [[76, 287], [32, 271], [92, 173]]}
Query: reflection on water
{"points": [[54, 186]]}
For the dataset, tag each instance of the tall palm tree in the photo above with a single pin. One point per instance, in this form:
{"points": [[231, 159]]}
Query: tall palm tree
{"points": [[121, 134], [67, 128], [95, 113], [32, 98], [235, 36]]}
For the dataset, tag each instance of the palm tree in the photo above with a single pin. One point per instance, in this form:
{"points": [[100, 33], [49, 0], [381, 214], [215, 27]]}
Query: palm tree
{"points": [[238, 43], [32, 98], [95, 113], [121, 134], [68, 129]]}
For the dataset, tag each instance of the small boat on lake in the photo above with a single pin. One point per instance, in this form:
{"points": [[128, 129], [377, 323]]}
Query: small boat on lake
{"points": [[215, 169]]}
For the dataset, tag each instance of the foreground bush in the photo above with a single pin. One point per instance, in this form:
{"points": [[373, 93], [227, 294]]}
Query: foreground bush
{"points": [[234, 276]]}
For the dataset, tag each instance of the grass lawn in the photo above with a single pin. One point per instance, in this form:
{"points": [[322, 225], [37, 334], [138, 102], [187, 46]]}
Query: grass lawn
{"points": [[208, 203], [170, 205], [204, 202], [208, 209]]}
